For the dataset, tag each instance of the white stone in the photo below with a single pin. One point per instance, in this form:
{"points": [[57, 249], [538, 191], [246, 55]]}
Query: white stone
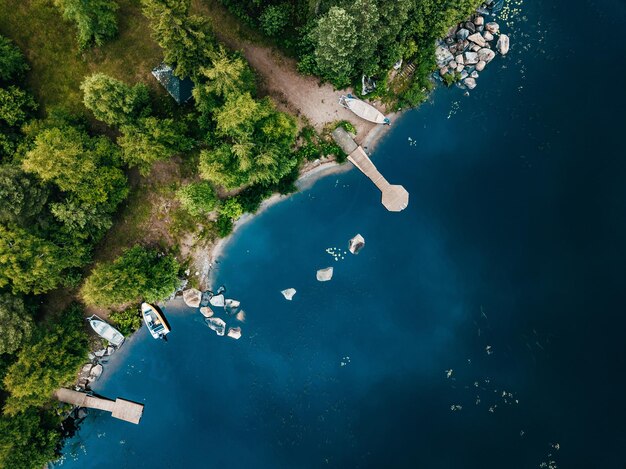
{"points": [[471, 58], [96, 371], [492, 27], [324, 275], [192, 297], [288, 293], [216, 324], [358, 242], [503, 44], [488, 36], [470, 83], [459, 59], [218, 300], [232, 304], [206, 311], [486, 55], [234, 332], [480, 66], [477, 38], [241, 316]]}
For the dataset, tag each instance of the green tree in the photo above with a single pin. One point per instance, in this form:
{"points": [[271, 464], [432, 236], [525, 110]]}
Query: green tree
{"points": [[78, 164], [95, 19], [49, 362], [275, 18], [231, 208], [12, 62], [32, 264], [113, 101], [81, 220], [21, 197], [29, 440], [152, 139], [139, 273], [187, 40], [16, 325], [335, 39], [15, 105], [366, 18], [198, 198]]}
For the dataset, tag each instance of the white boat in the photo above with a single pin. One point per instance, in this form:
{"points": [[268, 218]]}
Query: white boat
{"points": [[363, 110], [155, 320], [106, 331]]}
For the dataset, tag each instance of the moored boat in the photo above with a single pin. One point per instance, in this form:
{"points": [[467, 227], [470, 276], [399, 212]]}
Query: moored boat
{"points": [[106, 331], [155, 320], [363, 110]]}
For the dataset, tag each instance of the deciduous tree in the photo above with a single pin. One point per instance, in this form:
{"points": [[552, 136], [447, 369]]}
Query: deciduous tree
{"points": [[198, 198], [12, 62], [16, 324], [95, 19], [15, 105], [21, 197]]}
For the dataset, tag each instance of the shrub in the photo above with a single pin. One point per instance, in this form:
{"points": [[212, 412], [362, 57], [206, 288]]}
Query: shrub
{"points": [[198, 198], [127, 321]]}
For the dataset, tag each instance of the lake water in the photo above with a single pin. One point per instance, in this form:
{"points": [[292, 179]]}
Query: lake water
{"points": [[508, 268]]}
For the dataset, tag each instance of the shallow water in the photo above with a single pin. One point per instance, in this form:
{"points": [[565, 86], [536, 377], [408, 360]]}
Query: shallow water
{"points": [[508, 268]]}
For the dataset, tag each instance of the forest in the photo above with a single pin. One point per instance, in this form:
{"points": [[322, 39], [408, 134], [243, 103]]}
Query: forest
{"points": [[75, 161]]}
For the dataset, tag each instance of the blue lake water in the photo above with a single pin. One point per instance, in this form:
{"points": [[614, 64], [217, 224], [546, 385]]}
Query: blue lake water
{"points": [[508, 268]]}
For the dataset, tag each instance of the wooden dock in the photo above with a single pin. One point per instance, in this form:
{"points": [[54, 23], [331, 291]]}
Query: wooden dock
{"points": [[395, 198], [119, 408]]}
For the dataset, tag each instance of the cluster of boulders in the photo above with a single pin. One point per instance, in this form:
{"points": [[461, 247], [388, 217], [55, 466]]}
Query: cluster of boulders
{"points": [[91, 371], [467, 50], [196, 299]]}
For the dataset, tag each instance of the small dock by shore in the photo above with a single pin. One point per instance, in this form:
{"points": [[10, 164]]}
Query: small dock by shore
{"points": [[119, 408]]}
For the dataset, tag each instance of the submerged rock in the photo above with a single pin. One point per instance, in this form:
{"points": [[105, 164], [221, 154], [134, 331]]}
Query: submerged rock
{"points": [[232, 304], [192, 297], [234, 332], [241, 316], [206, 311], [470, 83], [288, 293], [216, 324], [492, 27], [218, 301], [480, 66], [324, 275], [503, 44], [356, 244]]}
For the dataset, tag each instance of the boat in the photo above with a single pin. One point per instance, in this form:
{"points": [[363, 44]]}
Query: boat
{"points": [[155, 320], [363, 110], [106, 331]]}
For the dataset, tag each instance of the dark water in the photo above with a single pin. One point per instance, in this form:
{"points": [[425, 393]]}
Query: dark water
{"points": [[514, 239]]}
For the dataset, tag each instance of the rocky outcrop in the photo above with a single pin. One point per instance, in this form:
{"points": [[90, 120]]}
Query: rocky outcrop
{"points": [[217, 325], [324, 275], [288, 293], [503, 44], [356, 244], [234, 332], [192, 297]]}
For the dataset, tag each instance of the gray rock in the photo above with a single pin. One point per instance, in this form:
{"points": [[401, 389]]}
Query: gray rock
{"points": [[289, 293], [479, 21], [486, 55], [462, 34], [234, 332], [442, 56], [475, 47], [96, 371], [492, 27], [464, 74], [218, 301], [459, 59], [86, 369], [488, 36], [460, 68], [477, 38], [216, 324], [82, 413], [452, 64], [358, 242], [480, 66], [443, 71], [91, 356], [470, 83], [470, 26], [503, 44], [100, 353], [480, 29], [470, 58], [110, 350], [192, 297], [231, 304], [324, 275], [474, 74], [206, 311]]}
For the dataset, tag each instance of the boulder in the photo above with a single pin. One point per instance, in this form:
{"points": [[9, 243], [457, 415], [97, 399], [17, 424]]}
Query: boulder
{"points": [[462, 34], [91, 356], [460, 68], [470, 58], [464, 74], [443, 71], [475, 48], [486, 55], [470, 83], [288, 293], [192, 297], [218, 301], [324, 275], [110, 350], [86, 369], [479, 21], [81, 413], [241, 316], [488, 36], [480, 29], [492, 27], [206, 311], [452, 64], [474, 74], [471, 27], [96, 371], [234, 332], [358, 242], [480, 66], [100, 353], [478, 39], [442, 56], [459, 59], [217, 325], [503, 44], [231, 304]]}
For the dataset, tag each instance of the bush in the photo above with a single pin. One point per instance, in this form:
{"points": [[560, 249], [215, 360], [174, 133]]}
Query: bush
{"points": [[198, 198], [127, 321], [274, 19]]}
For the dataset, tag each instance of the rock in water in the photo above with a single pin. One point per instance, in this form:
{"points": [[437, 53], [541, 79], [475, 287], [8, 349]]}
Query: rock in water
{"points": [[492, 27], [96, 371], [486, 55], [443, 56], [241, 316], [232, 304], [488, 36], [478, 39], [503, 44], [324, 275], [356, 244], [470, 26], [459, 59], [192, 297], [218, 300], [216, 324], [479, 21], [480, 66], [470, 83], [471, 58], [206, 311], [288, 293], [234, 332]]}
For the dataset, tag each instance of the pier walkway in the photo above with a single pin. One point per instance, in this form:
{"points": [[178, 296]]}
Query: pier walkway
{"points": [[395, 198], [120, 408]]}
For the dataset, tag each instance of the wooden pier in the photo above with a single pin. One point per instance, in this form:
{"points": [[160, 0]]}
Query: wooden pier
{"points": [[119, 408], [395, 198]]}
